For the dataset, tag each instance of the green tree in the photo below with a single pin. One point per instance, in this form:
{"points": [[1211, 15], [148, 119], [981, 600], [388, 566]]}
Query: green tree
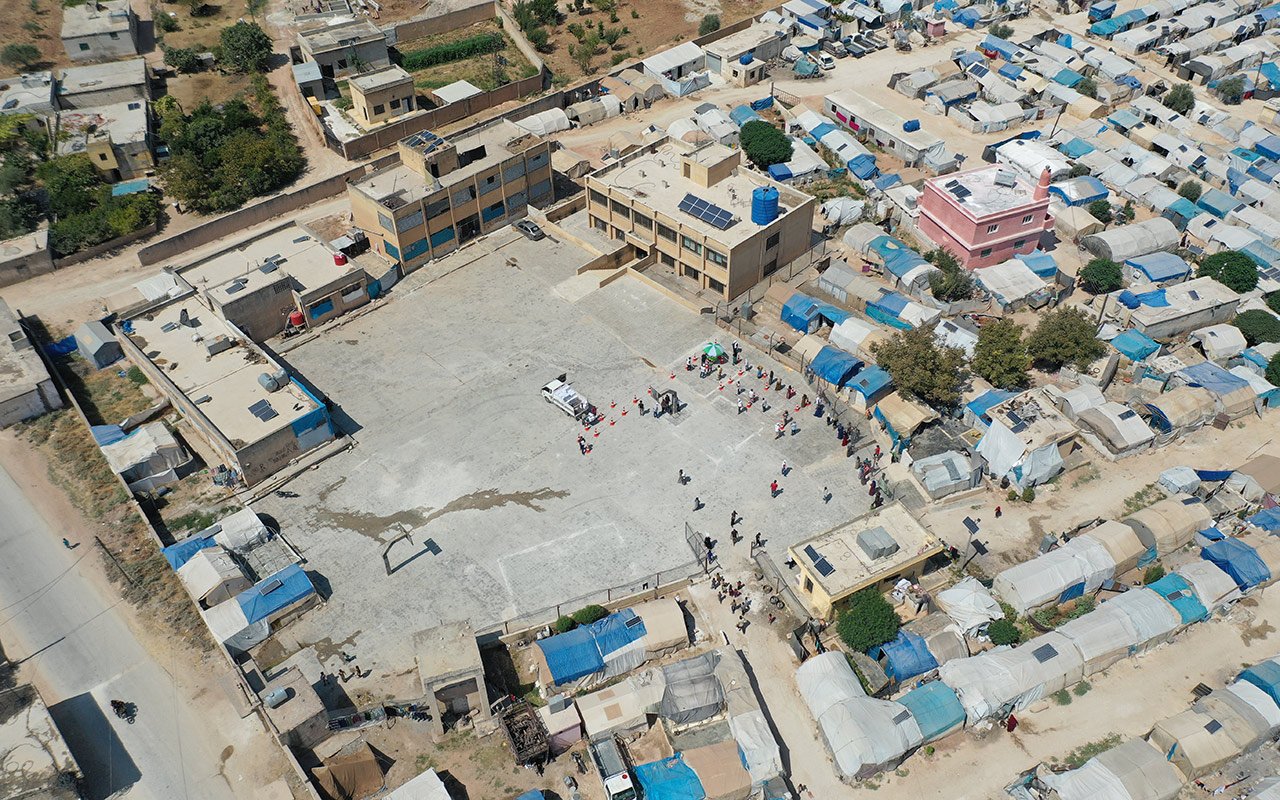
{"points": [[1088, 88], [245, 47], [1000, 356], [867, 620], [183, 59], [538, 37], [1273, 370], [1273, 302], [70, 183], [1232, 90], [921, 367], [1100, 210], [1000, 31], [1232, 269], [764, 144], [710, 24], [1064, 336], [1002, 631], [1078, 171], [165, 22], [1181, 98], [1100, 276], [1258, 326], [20, 54], [1191, 189], [589, 614], [952, 282]]}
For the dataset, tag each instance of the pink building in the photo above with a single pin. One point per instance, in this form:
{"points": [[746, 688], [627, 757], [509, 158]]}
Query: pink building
{"points": [[985, 216]]}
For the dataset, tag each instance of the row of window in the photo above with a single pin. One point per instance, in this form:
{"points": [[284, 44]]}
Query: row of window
{"points": [[986, 251], [643, 221], [490, 213], [466, 194], [1025, 221]]}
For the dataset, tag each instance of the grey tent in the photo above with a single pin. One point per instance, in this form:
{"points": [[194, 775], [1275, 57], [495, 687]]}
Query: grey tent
{"points": [[96, 344], [1131, 241], [693, 691], [1133, 770]]}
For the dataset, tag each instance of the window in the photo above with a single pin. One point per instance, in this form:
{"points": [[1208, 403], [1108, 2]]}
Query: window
{"points": [[84, 47], [772, 241], [715, 284], [808, 585], [717, 258], [379, 108], [599, 225], [352, 293], [666, 233], [395, 103], [464, 195], [386, 222], [690, 245], [489, 184], [616, 233], [390, 249], [342, 63], [670, 261], [1027, 219], [114, 35], [437, 207], [411, 221], [493, 212], [599, 199], [771, 267], [17, 336], [440, 237], [102, 156], [992, 228], [620, 209], [986, 251], [1019, 242], [415, 250], [539, 160], [690, 272], [643, 221]]}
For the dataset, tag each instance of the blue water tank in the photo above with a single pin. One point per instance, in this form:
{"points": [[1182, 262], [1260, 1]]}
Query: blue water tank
{"points": [[911, 125], [764, 205], [745, 60]]}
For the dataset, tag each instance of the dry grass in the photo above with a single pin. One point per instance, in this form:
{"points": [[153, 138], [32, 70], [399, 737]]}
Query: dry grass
{"points": [[482, 70]]}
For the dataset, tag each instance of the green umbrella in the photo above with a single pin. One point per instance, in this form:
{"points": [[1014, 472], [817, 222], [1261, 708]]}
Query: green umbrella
{"points": [[713, 350]]}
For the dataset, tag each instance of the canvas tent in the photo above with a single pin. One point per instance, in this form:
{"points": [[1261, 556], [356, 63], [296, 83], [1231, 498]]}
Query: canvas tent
{"points": [[1154, 619], [1214, 588], [1182, 409], [1103, 637], [97, 345], [351, 775], [1013, 285], [1246, 726], [969, 604], [604, 649], [425, 786], [146, 458], [1195, 742], [947, 473], [692, 691], [1170, 523], [1130, 241], [720, 771], [935, 708], [1078, 567], [1122, 544], [1133, 770], [212, 576], [1005, 679], [545, 122], [864, 735], [1117, 428], [747, 723], [1178, 593], [1238, 560]]}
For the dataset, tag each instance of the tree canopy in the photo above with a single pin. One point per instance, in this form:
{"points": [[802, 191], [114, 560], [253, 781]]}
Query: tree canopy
{"points": [[1000, 356], [1232, 269], [1064, 336], [1273, 370], [953, 282], [1258, 326], [1181, 98], [867, 620], [1101, 211], [764, 144], [84, 213], [1100, 276], [1191, 189], [921, 367], [246, 47]]}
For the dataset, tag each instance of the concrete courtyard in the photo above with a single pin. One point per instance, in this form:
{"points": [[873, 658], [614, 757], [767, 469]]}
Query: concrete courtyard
{"points": [[455, 444]]}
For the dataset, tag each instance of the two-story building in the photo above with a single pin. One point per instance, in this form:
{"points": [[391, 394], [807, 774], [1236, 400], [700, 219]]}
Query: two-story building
{"points": [[381, 95], [100, 30], [719, 225], [94, 85], [116, 138], [443, 193], [345, 48], [985, 216]]}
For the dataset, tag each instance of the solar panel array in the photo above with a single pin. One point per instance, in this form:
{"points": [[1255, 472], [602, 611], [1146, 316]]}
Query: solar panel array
{"points": [[820, 561], [263, 410], [710, 213]]}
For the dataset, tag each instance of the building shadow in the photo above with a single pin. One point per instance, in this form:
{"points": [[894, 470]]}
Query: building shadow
{"points": [[108, 768], [783, 753], [455, 788], [323, 588]]}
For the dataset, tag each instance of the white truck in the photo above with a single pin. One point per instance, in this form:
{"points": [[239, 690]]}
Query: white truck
{"points": [[560, 394], [613, 770]]}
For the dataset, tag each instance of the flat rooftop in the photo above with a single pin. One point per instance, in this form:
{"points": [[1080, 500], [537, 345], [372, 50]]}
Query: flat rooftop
{"points": [[380, 79], [886, 120], [125, 123], [21, 369], [447, 651], [229, 379], [655, 180], [735, 44], [24, 91], [851, 565], [985, 191], [340, 33], [296, 253], [94, 17], [34, 748], [1032, 417], [1185, 298], [98, 77]]}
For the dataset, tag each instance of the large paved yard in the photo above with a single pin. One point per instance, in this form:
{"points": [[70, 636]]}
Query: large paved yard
{"points": [[456, 444]]}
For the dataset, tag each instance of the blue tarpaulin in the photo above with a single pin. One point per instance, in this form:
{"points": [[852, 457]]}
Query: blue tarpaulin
{"points": [[1130, 81], [275, 593], [582, 651], [1105, 28], [180, 553], [935, 708], [871, 381], [888, 181], [969, 58], [1010, 71], [835, 366], [1266, 676], [1269, 146], [1160, 266], [1179, 594], [1238, 560], [1270, 74], [1268, 519], [1217, 202], [945, 5], [741, 115], [62, 347], [762, 103], [1154, 299], [1264, 169], [1213, 377], [1080, 191], [803, 312], [130, 187], [1102, 10], [1076, 148], [780, 172], [1180, 212], [1254, 357], [669, 779], [536, 794], [905, 657], [1068, 77], [1124, 119], [968, 17], [1004, 47], [1214, 474], [1041, 263], [863, 166], [985, 402], [1262, 254], [106, 434], [1135, 345], [897, 257]]}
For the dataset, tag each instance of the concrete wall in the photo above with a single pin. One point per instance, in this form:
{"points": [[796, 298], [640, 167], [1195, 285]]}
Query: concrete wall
{"points": [[102, 97], [105, 247], [261, 314], [19, 268], [44, 397], [431, 24]]}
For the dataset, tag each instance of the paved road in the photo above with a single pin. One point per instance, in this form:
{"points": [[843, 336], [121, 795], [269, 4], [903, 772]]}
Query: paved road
{"points": [[81, 653]]}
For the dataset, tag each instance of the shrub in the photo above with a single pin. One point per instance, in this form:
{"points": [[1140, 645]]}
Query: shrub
{"points": [[564, 625], [1273, 370], [1101, 276], [1028, 494], [764, 144], [1232, 90], [867, 621], [1191, 190], [921, 367], [1001, 31], [452, 51], [1088, 88], [1082, 688], [1258, 326], [589, 614], [1000, 356], [22, 54], [1181, 98], [343, 103], [953, 282], [710, 24], [538, 38], [1152, 574], [1003, 631], [1064, 336], [1062, 697], [1101, 211], [1273, 302], [1232, 269], [165, 23], [136, 376], [245, 47], [1012, 496], [182, 59], [1078, 171]]}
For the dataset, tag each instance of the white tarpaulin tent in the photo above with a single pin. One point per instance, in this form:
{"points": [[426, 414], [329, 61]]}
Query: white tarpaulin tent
{"points": [[211, 575], [240, 532], [1011, 283], [1258, 700], [1006, 679], [856, 336], [147, 458], [1170, 523], [747, 722], [1213, 587], [1131, 241], [969, 604], [864, 735], [1133, 770], [426, 786], [1154, 619], [545, 122], [1121, 542], [1103, 637], [1041, 580], [231, 627], [1193, 743], [1004, 451]]}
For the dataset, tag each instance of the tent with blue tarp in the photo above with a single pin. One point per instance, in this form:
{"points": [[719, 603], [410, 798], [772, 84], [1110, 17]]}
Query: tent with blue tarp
{"points": [[888, 181], [1135, 345], [1269, 146], [1262, 254], [871, 381], [1102, 10], [585, 650], [1179, 594], [180, 553], [1213, 377], [1217, 202], [1007, 50], [536, 794], [887, 309], [898, 259], [743, 114], [1270, 72], [106, 434], [1152, 299], [1180, 212], [945, 5], [1124, 118], [1010, 71], [1075, 148], [905, 657], [936, 709], [762, 103], [1105, 28], [1079, 191], [1264, 169], [968, 17], [1068, 78], [969, 58], [62, 347], [1041, 263], [835, 366], [1159, 267], [1254, 357], [805, 313], [1130, 81], [1268, 519], [669, 779], [976, 410], [1266, 676], [275, 593], [1238, 560]]}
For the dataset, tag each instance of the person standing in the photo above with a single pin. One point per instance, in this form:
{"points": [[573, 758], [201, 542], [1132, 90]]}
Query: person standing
{"points": [[773, 489], [999, 512]]}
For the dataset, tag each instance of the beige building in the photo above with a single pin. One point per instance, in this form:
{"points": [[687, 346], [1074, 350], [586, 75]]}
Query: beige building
{"points": [[100, 31], [345, 48], [381, 95], [93, 85], [691, 208], [116, 138], [756, 45], [451, 675], [443, 194], [874, 551], [26, 390]]}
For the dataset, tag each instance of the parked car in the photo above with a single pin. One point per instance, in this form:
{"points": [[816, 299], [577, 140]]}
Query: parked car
{"points": [[834, 48], [530, 229], [825, 61]]}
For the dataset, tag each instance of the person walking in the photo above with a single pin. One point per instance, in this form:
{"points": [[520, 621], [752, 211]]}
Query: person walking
{"points": [[680, 479], [794, 428], [734, 536], [999, 512], [758, 542], [779, 430], [697, 504], [773, 489], [741, 406], [734, 517], [784, 469]]}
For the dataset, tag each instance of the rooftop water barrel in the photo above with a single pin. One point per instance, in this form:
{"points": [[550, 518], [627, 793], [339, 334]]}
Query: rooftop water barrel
{"points": [[745, 60], [764, 205]]}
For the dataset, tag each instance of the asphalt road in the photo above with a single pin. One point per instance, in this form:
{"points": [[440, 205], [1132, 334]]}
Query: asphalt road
{"points": [[78, 649]]}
